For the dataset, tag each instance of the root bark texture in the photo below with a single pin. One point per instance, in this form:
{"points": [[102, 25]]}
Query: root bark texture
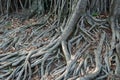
{"points": [[79, 47]]}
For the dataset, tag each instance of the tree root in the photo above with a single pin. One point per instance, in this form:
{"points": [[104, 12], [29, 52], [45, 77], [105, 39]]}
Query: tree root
{"points": [[60, 51]]}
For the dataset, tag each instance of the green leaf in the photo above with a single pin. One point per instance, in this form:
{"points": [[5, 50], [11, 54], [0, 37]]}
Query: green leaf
{"points": [[8, 24], [95, 14]]}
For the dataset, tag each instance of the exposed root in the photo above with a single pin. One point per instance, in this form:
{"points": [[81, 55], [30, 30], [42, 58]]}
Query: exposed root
{"points": [[78, 49]]}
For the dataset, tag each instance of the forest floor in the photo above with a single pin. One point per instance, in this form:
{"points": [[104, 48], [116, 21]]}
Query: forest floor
{"points": [[13, 23], [9, 28]]}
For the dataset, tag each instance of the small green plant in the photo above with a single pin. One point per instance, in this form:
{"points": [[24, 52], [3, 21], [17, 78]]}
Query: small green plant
{"points": [[8, 24], [94, 14]]}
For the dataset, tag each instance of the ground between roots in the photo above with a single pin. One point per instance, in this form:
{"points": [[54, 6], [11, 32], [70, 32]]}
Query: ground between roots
{"points": [[81, 48]]}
